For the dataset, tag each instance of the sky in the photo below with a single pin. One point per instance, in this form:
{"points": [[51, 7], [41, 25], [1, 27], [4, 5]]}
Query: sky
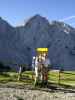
{"points": [[16, 11]]}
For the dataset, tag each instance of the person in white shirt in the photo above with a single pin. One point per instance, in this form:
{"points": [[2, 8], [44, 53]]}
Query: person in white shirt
{"points": [[38, 64]]}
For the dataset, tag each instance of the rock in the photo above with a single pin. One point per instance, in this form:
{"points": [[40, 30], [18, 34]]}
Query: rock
{"points": [[17, 44], [23, 94]]}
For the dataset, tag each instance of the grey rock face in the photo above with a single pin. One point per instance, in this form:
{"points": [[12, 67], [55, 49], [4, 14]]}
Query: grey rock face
{"points": [[17, 44]]}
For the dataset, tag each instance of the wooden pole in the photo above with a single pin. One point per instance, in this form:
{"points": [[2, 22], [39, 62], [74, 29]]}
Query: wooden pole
{"points": [[59, 77]]}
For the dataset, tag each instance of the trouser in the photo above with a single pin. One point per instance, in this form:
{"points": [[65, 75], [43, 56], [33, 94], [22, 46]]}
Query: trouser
{"points": [[45, 74]]}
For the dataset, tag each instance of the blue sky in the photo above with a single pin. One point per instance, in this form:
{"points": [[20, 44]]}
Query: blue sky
{"points": [[15, 11]]}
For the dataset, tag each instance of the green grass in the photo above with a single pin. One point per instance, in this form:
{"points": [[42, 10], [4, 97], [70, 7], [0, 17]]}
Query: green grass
{"points": [[67, 77], [6, 77]]}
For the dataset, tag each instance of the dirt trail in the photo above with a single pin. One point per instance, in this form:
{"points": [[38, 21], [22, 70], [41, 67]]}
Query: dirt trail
{"points": [[29, 92]]}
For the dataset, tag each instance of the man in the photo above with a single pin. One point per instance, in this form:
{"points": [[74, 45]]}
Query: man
{"points": [[38, 68], [46, 63]]}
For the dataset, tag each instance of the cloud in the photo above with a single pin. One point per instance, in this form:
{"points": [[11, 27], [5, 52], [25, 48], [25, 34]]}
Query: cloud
{"points": [[22, 22], [67, 18]]}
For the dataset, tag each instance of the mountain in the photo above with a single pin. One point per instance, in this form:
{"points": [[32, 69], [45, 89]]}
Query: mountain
{"points": [[17, 44]]}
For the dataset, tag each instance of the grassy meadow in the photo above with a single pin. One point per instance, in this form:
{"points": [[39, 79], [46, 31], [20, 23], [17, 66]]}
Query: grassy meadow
{"points": [[66, 77]]}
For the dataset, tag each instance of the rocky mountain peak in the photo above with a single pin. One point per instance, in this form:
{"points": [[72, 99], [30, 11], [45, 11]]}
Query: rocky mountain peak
{"points": [[37, 19], [17, 44]]}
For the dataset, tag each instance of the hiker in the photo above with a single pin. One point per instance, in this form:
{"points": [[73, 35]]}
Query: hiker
{"points": [[38, 69], [46, 63]]}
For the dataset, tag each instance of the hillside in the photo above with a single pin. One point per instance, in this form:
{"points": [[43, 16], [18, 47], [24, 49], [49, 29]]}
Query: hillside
{"points": [[17, 44]]}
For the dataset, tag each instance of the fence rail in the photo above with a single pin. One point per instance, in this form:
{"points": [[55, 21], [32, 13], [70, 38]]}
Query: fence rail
{"points": [[62, 77]]}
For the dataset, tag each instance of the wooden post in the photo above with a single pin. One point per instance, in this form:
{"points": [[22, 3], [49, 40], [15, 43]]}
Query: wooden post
{"points": [[19, 73], [59, 77]]}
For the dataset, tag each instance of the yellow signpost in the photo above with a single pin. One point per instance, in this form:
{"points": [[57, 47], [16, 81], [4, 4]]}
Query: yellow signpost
{"points": [[42, 49], [41, 52]]}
